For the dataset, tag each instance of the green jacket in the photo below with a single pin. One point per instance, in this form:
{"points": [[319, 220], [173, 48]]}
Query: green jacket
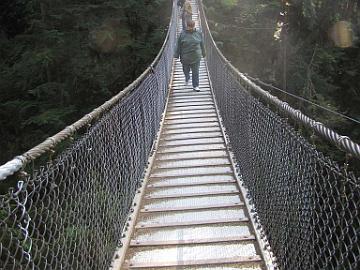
{"points": [[190, 47]]}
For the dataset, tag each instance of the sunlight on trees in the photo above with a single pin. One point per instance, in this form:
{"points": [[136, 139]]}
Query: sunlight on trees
{"points": [[312, 44]]}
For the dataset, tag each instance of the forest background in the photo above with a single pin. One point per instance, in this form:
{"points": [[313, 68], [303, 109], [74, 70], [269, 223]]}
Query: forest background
{"points": [[59, 59], [309, 48]]}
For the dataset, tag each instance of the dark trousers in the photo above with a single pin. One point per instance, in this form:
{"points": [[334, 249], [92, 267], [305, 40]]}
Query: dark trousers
{"points": [[194, 71]]}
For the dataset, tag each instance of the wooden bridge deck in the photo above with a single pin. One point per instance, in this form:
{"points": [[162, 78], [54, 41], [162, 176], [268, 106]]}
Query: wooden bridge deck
{"points": [[192, 213]]}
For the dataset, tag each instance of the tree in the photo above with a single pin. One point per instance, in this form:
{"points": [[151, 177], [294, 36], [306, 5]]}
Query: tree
{"points": [[309, 44], [61, 59]]}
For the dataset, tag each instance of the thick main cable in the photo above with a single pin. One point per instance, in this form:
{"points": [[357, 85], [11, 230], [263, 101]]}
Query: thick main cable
{"points": [[302, 99]]}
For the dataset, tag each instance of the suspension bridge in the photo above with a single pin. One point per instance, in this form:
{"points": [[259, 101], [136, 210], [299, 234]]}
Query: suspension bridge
{"points": [[162, 177]]}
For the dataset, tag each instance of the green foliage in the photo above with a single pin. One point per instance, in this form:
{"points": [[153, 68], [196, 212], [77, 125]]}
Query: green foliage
{"points": [[228, 3], [61, 59], [13, 17], [305, 52]]}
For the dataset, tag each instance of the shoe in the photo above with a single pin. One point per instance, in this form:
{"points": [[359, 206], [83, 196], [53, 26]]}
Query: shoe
{"points": [[186, 82], [197, 89]]}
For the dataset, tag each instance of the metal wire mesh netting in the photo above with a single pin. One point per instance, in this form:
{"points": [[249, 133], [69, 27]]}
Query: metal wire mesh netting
{"points": [[306, 203], [70, 213]]}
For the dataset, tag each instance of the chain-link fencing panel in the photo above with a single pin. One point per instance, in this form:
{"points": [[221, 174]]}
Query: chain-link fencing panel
{"points": [[306, 204], [70, 213]]}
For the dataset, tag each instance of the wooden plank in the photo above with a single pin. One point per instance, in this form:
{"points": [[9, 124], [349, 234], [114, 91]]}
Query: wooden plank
{"points": [[188, 88], [136, 243], [191, 121], [192, 184], [197, 175], [214, 261], [202, 136], [189, 208], [182, 118], [193, 130], [191, 112], [191, 94], [180, 77], [190, 103], [190, 91], [192, 100], [191, 171], [178, 70], [185, 195], [207, 156], [191, 223], [175, 98], [157, 168], [204, 82], [193, 108], [214, 147], [179, 73], [181, 83], [164, 145], [213, 124]]}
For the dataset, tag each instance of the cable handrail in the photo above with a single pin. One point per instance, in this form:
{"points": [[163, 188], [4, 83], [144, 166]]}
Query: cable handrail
{"points": [[342, 142], [19, 162], [303, 99]]}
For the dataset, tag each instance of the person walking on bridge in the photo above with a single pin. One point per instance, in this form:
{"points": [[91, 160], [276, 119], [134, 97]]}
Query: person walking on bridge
{"points": [[180, 3], [190, 48], [186, 14]]}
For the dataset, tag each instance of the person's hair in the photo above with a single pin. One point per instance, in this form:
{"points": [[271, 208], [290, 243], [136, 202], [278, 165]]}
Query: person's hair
{"points": [[190, 24]]}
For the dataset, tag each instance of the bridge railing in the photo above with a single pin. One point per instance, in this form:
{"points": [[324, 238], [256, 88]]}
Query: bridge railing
{"points": [[307, 205], [69, 214]]}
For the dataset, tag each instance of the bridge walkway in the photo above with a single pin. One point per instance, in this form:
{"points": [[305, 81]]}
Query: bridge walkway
{"points": [[192, 213]]}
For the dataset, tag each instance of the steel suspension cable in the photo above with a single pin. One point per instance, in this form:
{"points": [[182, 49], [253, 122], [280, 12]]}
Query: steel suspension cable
{"points": [[302, 99]]}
